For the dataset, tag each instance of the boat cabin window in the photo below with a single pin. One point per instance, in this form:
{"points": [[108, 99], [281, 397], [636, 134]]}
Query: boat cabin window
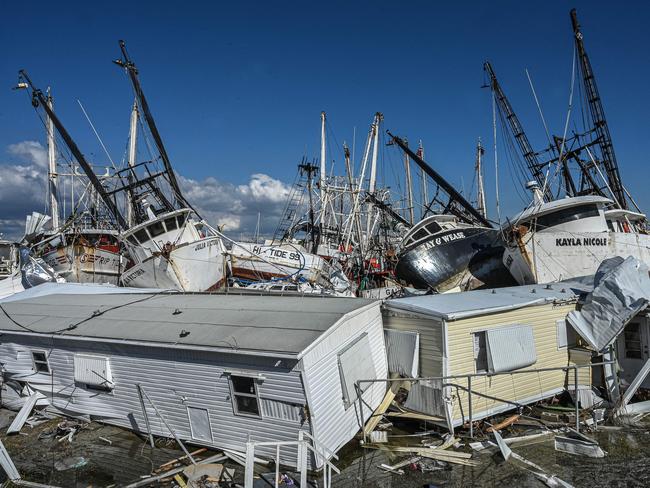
{"points": [[245, 400], [133, 240], [564, 215], [421, 234], [276, 287], [433, 227], [156, 229], [181, 220], [142, 236], [171, 224], [41, 365]]}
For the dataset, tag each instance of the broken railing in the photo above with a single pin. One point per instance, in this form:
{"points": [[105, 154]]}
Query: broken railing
{"points": [[305, 444], [468, 388]]}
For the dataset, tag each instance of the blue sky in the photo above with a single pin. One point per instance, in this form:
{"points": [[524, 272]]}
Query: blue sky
{"points": [[237, 89]]}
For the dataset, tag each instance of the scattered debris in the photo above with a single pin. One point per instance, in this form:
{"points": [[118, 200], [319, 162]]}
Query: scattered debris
{"points": [[23, 414], [580, 444], [503, 424]]}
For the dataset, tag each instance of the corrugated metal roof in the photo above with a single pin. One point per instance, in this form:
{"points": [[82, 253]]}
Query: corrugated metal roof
{"points": [[272, 325], [454, 306]]}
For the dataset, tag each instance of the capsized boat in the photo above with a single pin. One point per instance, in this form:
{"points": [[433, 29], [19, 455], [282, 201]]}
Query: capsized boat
{"points": [[457, 250]]}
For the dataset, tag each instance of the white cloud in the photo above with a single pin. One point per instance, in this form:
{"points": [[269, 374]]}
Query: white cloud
{"points": [[234, 207], [32, 152]]}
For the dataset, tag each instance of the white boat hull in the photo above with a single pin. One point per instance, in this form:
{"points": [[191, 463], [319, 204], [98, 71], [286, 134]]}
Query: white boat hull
{"points": [[550, 256], [195, 267], [257, 262], [79, 263]]}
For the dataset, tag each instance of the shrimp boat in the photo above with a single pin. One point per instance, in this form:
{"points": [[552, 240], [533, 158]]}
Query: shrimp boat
{"points": [[457, 250], [168, 244], [555, 240], [85, 248]]}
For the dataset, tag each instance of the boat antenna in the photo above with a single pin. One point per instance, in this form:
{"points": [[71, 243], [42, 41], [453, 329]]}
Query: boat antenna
{"points": [[598, 119], [39, 99], [96, 134]]}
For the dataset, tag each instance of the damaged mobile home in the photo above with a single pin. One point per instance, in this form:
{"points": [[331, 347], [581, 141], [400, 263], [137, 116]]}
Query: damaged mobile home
{"points": [[218, 370], [473, 339]]}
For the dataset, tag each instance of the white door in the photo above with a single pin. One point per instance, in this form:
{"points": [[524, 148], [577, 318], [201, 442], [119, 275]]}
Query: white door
{"points": [[633, 349]]}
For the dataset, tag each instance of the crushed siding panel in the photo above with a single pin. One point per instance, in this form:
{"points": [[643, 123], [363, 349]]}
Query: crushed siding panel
{"points": [[403, 352], [520, 387], [431, 341], [332, 424], [172, 379]]}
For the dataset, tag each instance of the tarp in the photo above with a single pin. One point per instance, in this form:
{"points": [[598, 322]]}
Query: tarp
{"points": [[621, 291]]}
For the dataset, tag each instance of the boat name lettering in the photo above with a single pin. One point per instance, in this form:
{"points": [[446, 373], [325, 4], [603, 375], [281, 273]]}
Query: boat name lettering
{"points": [[445, 239], [129, 278], [277, 253], [204, 244], [580, 241]]}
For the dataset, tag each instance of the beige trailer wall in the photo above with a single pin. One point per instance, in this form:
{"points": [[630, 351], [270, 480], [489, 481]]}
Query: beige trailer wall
{"points": [[523, 388]]}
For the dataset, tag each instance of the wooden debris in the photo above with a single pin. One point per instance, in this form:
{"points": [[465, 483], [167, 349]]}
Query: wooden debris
{"points": [[503, 424], [376, 416], [169, 464], [168, 474], [414, 416]]}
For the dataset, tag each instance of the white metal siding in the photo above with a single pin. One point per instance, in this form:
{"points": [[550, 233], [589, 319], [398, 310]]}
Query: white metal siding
{"points": [[333, 425], [354, 366], [172, 379]]}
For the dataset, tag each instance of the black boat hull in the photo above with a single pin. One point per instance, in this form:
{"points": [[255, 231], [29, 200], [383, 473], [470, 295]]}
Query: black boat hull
{"points": [[464, 258]]}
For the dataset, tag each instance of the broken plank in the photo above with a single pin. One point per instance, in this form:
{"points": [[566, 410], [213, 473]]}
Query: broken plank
{"points": [[415, 416], [504, 423], [376, 416], [23, 414], [178, 459], [151, 479]]}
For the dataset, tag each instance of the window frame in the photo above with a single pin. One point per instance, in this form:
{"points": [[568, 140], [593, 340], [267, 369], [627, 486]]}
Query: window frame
{"points": [[234, 393], [189, 421], [46, 362], [477, 351]]}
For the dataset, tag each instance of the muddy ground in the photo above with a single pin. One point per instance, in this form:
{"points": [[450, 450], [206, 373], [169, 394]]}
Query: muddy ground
{"points": [[103, 456]]}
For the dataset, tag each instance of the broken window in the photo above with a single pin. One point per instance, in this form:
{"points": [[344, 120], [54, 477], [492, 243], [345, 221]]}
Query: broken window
{"points": [[355, 363], [244, 395], [480, 352], [41, 365], [504, 348], [632, 337], [93, 371]]}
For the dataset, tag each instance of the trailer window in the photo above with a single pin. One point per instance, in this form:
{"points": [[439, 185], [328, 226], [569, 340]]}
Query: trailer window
{"points": [[480, 352], [504, 348], [245, 400], [93, 372], [41, 364], [632, 337]]}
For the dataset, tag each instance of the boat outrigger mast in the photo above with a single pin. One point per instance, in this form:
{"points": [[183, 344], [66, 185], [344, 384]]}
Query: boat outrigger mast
{"points": [[599, 122], [38, 98], [457, 204], [169, 174]]}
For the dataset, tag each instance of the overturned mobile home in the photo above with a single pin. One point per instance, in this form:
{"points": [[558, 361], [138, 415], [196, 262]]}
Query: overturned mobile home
{"points": [[217, 370], [483, 341]]}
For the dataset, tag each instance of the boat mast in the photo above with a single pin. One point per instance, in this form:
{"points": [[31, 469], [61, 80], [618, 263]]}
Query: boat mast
{"points": [[424, 191], [409, 186], [51, 160], [323, 163], [598, 117], [457, 204], [39, 98], [129, 65], [480, 193], [534, 166], [133, 138]]}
